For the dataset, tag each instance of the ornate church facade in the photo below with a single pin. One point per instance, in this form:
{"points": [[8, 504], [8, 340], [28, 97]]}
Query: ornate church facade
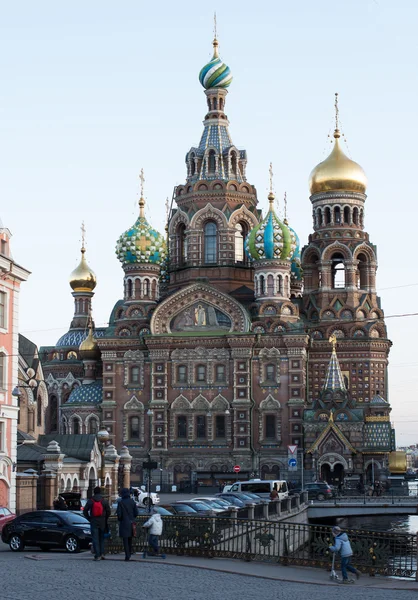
{"points": [[218, 354]]}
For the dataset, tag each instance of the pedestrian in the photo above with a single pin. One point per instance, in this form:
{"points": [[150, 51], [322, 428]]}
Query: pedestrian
{"points": [[127, 511], [97, 511], [343, 546], [155, 529], [60, 503], [274, 494]]}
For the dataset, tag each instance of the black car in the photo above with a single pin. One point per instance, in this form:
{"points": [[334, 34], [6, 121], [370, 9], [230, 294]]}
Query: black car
{"points": [[319, 490], [48, 529]]}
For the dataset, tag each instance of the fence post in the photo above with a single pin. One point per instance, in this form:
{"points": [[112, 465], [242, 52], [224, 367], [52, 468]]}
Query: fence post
{"points": [[278, 508], [251, 508], [265, 511], [234, 514]]}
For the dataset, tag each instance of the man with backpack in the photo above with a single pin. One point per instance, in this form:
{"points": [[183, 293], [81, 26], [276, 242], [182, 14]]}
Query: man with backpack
{"points": [[97, 511]]}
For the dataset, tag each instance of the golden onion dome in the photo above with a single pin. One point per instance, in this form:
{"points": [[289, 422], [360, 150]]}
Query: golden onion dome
{"points": [[83, 279], [337, 173], [89, 348]]}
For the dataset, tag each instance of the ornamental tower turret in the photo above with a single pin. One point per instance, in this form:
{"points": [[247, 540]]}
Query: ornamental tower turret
{"points": [[339, 270], [142, 251], [216, 207], [83, 282]]}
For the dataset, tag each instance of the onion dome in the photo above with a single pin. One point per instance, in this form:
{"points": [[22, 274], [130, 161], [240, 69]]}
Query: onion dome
{"points": [[89, 350], [83, 279], [271, 238], [88, 393], [216, 74], [296, 269], [337, 173], [141, 243]]}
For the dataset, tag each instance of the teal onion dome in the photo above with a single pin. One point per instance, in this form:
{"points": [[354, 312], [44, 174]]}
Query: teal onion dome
{"points": [[216, 74], [295, 259], [271, 239], [141, 243]]}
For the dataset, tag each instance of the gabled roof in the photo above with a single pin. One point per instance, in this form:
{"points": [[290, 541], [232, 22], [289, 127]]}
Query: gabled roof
{"points": [[77, 446], [331, 427]]}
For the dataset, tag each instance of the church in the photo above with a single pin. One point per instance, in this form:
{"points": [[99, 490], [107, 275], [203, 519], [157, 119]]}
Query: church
{"points": [[232, 345]]}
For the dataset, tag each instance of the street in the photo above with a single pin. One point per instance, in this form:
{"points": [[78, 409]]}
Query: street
{"points": [[59, 576]]}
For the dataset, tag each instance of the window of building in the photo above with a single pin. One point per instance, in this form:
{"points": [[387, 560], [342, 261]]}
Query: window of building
{"points": [[271, 373], [134, 428], [182, 374], [240, 233], [182, 244], [200, 426], [93, 426], [76, 427], [211, 242], [201, 373], [2, 440], [270, 426], [39, 412], [220, 373], [134, 378], [2, 310], [182, 426], [220, 426], [2, 370]]}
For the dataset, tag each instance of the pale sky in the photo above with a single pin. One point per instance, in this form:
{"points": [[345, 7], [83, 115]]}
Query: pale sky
{"points": [[94, 90]]}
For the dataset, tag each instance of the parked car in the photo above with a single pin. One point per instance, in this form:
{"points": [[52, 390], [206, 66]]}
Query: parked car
{"points": [[161, 510], [48, 529], [237, 502], [142, 498], [220, 502], [239, 496], [213, 504], [319, 490], [199, 507], [181, 510], [5, 516]]}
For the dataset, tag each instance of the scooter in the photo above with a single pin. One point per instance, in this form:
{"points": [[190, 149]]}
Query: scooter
{"points": [[334, 575]]}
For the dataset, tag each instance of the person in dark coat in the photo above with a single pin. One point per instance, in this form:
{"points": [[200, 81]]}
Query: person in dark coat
{"points": [[127, 511], [97, 511], [60, 504]]}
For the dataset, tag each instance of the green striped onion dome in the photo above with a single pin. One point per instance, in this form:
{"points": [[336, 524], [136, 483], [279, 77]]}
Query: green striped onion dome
{"points": [[271, 238], [141, 244], [216, 74]]}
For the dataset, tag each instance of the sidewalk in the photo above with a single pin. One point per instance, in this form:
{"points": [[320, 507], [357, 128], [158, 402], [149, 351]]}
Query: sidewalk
{"points": [[271, 571]]}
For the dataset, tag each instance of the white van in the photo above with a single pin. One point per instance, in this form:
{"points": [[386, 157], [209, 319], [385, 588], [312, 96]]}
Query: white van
{"points": [[262, 487]]}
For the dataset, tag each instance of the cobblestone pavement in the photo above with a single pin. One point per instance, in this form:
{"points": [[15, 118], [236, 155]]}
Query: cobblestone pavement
{"points": [[58, 576]]}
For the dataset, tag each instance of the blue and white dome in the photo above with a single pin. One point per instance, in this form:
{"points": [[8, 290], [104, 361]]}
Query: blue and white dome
{"points": [[216, 74]]}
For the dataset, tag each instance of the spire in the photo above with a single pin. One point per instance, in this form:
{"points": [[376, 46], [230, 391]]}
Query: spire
{"points": [[141, 199], [334, 379], [271, 195], [285, 221], [215, 38], [337, 117]]}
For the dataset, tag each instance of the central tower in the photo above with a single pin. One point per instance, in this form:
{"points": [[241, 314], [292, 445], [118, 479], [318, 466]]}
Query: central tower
{"points": [[216, 208]]}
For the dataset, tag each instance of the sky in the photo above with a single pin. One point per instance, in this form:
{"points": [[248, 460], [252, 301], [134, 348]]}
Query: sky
{"points": [[91, 92]]}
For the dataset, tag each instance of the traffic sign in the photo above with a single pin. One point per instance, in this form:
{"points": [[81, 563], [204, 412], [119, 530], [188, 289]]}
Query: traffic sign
{"points": [[292, 449], [292, 462], [237, 469]]}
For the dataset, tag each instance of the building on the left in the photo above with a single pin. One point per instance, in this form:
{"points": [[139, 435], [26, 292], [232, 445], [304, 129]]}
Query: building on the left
{"points": [[11, 276]]}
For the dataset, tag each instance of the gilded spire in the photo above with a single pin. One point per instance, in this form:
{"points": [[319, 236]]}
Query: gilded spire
{"points": [[215, 38], [83, 279], [142, 199]]}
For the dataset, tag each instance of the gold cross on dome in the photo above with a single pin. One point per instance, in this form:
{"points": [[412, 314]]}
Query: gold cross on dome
{"points": [[271, 177], [333, 340], [337, 112], [142, 179], [83, 235]]}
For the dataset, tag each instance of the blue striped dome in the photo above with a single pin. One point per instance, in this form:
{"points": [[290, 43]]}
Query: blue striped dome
{"points": [[216, 74]]}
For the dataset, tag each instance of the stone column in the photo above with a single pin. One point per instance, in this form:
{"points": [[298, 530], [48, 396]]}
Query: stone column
{"points": [[53, 463], [111, 471], [26, 487], [126, 462], [325, 269]]}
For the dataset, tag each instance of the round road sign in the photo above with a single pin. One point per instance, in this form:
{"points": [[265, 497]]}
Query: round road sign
{"points": [[237, 469]]}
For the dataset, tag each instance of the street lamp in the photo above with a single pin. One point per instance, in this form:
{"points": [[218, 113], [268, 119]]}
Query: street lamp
{"points": [[32, 383], [102, 438]]}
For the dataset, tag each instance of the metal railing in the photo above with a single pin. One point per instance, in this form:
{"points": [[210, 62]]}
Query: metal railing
{"points": [[278, 542]]}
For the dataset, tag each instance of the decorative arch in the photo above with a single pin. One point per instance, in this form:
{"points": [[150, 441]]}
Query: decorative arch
{"points": [[180, 217], [76, 418], [310, 255], [181, 403], [200, 403], [270, 403], [331, 459], [208, 213], [188, 297], [336, 247], [243, 214], [91, 417], [364, 249], [219, 403]]}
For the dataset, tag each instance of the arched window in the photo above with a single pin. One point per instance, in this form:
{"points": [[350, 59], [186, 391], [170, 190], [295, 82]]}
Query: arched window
{"points": [[240, 233], [39, 412], [181, 244], [270, 373], [134, 428], [346, 215], [211, 242], [182, 426], [319, 217], [337, 215], [355, 215], [234, 164], [362, 277], [64, 426], [93, 426], [215, 104], [270, 285], [182, 374], [201, 373], [76, 427], [270, 426], [327, 215], [2, 371], [130, 288], [361, 218], [338, 271], [146, 287], [262, 285], [220, 373], [211, 161], [192, 165], [221, 104], [134, 375]]}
